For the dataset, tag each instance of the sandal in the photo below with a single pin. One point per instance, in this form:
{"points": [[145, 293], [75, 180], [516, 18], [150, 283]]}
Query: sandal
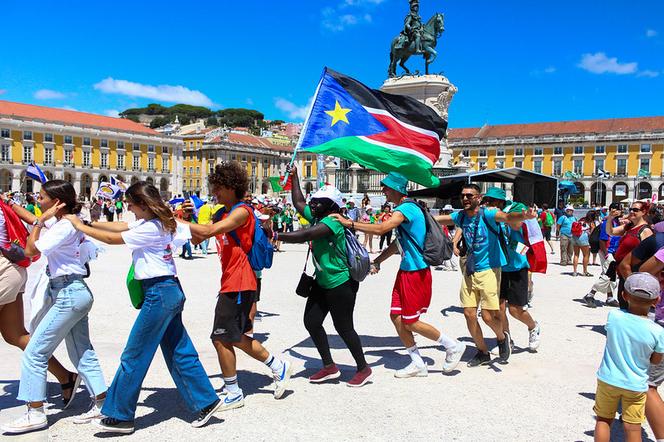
{"points": [[587, 274], [74, 382]]}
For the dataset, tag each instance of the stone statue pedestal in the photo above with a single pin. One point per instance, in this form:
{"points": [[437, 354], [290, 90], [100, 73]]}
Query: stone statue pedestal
{"points": [[435, 91]]}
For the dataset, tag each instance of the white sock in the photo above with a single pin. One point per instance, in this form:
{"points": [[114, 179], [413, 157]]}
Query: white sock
{"points": [[275, 364], [232, 385], [447, 342], [415, 356]]}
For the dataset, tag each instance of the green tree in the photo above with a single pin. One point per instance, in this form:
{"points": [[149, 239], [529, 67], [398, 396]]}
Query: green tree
{"points": [[212, 122], [159, 121], [133, 118], [240, 117]]}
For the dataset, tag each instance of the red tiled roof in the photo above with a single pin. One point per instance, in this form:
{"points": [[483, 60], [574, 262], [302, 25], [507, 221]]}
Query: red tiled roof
{"points": [[614, 125], [252, 141], [74, 118]]}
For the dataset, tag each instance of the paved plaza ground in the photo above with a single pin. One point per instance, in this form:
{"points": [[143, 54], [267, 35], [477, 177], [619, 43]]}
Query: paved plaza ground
{"points": [[546, 395]]}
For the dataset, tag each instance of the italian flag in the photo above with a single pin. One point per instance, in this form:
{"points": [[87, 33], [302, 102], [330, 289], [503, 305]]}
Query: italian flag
{"points": [[380, 131], [275, 182], [536, 254]]}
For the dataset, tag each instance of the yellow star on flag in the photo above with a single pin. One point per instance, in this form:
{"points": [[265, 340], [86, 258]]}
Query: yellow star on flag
{"points": [[338, 113]]}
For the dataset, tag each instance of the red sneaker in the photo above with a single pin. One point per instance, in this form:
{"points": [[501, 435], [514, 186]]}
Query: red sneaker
{"points": [[361, 377], [325, 374]]}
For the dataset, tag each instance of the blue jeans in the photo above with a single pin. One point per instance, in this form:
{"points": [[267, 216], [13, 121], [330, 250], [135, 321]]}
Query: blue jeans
{"points": [[158, 323], [204, 246], [186, 249], [66, 320]]}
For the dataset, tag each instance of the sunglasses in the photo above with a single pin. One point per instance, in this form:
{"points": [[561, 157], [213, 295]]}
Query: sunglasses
{"points": [[468, 196], [635, 209]]}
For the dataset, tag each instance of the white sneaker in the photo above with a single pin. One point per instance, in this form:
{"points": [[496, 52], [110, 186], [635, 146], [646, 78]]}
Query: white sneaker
{"points": [[281, 380], [90, 415], [412, 371], [534, 337], [453, 356], [231, 400], [33, 419]]}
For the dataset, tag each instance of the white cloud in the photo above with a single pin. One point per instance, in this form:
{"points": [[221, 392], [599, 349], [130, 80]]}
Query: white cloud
{"points": [[48, 94], [112, 113], [250, 102], [291, 109], [164, 92], [348, 13], [599, 63], [651, 33], [648, 73], [66, 107], [550, 70]]}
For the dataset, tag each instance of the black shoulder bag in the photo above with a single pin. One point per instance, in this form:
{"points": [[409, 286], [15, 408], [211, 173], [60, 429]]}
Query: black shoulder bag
{"points": [[306, 284]]}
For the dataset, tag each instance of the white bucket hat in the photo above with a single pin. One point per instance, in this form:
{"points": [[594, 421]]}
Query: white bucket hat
{"points": [[331, 193]]}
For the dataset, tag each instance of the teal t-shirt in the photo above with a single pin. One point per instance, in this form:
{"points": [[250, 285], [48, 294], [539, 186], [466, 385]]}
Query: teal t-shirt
{"points": [[630, 341], [516, 260], [415, 226], [565, 224], [486, 246], [329, 253]]}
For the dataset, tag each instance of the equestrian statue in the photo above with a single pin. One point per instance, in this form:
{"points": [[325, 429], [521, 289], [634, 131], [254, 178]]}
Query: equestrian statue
{"points": [[416, 39]]}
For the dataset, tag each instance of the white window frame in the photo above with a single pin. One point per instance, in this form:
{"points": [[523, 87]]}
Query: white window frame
{"points": [[48, 155], [580, 172], [578, 148], [7, 135], [518, 151], [538, 151], [103, 160], [28, 153], [500, 152], [28, 138], [649, 147], [89, 141], [641, 160], [121, 163], [47, 134], [136, 162], [597, 161], [558, 150], [70, 137], [600, 149], [624, 173], [87, 158], [164, 165], [6, 158], [623, 147], [69, 157], [559, 163], [150, 164], [535, 164], [103, 142]]}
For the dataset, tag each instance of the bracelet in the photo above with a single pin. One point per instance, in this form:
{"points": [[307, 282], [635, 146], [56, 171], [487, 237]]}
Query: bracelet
{"points": [[352, 224], [87, 223]]}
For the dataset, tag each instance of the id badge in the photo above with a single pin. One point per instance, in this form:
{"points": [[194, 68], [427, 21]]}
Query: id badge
{"points": [[521, 248]]}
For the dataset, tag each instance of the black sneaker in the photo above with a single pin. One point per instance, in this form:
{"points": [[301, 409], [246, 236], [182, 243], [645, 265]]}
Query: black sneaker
{"points": [[612, 302], [590, 301], [112, 425], [205, 414], [504, 347], [480, 358]]}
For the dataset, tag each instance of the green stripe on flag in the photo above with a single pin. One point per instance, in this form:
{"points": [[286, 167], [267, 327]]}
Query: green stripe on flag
{"points": [[275, 182], [379, 158]]}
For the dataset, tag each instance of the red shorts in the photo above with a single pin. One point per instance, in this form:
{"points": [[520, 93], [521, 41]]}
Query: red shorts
{"points": [[411, 295]]}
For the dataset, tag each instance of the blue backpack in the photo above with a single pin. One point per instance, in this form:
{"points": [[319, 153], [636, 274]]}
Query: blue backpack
{"points": [[261, 252]]}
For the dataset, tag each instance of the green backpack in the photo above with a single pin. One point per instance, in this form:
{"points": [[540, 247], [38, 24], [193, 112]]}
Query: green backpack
{"points": [[548, 222]]}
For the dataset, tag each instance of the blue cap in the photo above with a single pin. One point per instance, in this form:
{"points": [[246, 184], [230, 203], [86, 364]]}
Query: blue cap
{"points": [[396, 181]]}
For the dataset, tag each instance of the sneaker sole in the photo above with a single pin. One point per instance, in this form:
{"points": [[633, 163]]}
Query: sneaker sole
{"points": [[223, 407], [106, 429], [86, 421], [367, 379], [281, 389], [198, 424], [326, 378], [419, 374], [35, 427]]}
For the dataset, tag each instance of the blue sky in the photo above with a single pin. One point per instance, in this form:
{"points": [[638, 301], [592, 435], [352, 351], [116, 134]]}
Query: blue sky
{"points": [[513, 61]]}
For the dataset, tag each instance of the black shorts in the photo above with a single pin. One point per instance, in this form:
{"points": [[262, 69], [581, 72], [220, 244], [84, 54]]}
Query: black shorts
{"points": [[231, 316], [546, 231], [514, 287]]}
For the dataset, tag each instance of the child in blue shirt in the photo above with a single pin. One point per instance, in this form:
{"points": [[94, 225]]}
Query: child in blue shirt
{"points": [[633, 342]]}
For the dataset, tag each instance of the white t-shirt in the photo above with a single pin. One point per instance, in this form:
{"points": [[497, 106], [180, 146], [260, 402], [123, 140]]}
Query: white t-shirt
{"points": [[152, 252], [60, 244]]}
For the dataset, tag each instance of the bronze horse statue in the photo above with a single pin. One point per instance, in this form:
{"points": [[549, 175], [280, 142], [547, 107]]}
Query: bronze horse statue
{"points": [[402, 48]]}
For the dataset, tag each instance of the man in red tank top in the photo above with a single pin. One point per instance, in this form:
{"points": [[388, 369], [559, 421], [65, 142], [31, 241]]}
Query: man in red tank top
{"points": [[235, 232]]}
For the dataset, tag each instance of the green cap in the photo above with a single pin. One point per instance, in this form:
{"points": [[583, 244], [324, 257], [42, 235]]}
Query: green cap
{"points": [[396, 181], [496, 193], [516, 207]]}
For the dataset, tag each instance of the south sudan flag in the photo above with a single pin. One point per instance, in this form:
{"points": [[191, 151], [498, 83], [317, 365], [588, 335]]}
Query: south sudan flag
{"points": [[380, 131]]}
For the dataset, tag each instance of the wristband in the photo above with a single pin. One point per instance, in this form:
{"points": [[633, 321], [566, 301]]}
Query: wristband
{"points": [[352, 224], [87, 223]]}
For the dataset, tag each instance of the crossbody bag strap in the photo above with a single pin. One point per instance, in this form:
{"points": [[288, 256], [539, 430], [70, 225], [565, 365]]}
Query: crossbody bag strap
{"points": [[499, 233], [306, 261]]}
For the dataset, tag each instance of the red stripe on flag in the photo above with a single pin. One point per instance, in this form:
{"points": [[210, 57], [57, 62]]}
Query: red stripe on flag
{"points": [[399, 135]]}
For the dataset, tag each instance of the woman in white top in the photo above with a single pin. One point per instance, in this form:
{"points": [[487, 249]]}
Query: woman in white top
{"points": [[159, 323], [12, 286], [67, 319]]}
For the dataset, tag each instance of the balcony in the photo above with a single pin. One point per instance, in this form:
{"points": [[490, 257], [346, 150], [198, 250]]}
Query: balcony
{"points": [[136, 168], [26, 161], [49, 163], [151, 170], [120, 167]]}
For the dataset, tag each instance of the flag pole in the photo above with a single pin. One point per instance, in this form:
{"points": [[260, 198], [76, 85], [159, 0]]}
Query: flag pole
{"points": [[304, 129]]}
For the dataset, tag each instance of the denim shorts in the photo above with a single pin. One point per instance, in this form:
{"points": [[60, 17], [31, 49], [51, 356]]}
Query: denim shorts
{"points": [[581, 241]]}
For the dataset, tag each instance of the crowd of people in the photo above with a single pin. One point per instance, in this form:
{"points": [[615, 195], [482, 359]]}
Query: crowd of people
{"points": [[493, 249]]}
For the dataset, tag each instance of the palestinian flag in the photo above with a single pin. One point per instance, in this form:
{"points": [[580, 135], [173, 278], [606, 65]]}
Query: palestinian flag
{"points": [[275, 182], [377, 130]]}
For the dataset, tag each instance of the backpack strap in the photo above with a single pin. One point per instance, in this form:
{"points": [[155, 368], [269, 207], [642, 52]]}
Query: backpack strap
{"points": [[233, 233], [499, 233], [410, 237]]}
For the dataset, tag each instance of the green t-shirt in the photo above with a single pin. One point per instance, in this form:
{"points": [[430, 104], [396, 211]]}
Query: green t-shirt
{"points": [[329, 253]]}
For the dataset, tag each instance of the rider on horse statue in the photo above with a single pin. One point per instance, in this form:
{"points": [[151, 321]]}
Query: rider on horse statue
{"points": [[412, 28]]}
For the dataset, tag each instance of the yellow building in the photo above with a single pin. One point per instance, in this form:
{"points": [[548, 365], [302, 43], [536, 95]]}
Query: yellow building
{"points": [[631, 150], [84, 149]]}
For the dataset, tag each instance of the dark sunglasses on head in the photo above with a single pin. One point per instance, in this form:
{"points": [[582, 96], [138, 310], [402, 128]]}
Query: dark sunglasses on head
{"points": [[468, 196]]}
